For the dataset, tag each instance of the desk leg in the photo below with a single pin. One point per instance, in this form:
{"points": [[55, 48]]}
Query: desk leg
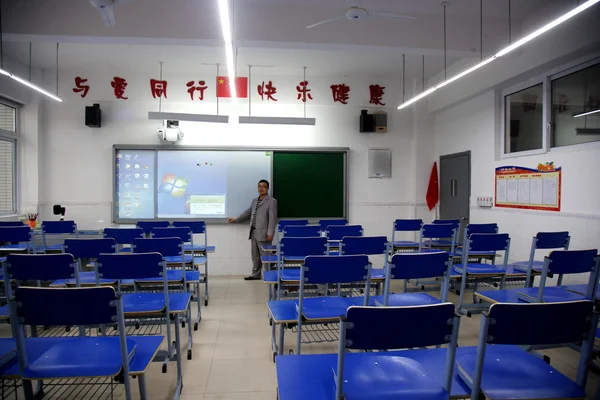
{"points": [[281, 338], [142, 385], [178, 358]]}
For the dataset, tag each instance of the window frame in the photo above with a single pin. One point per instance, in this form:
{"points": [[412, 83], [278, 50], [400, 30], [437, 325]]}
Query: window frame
{"points": [[545, 79], [13, 138]]}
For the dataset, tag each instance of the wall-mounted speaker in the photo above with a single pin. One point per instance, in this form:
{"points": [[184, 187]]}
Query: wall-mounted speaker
{"points": [[380, 122], [367, 122], [93, 116]]}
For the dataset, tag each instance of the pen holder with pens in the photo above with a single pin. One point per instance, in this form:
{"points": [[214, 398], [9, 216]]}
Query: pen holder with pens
{"points": [[32, 220]]}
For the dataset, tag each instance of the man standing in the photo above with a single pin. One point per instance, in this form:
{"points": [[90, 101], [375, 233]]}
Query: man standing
{"points": [[263, 219]]}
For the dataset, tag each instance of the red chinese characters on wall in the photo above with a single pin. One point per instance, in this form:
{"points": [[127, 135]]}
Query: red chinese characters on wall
{"points": [[192, 88], [267, 91], [303, 91], [376, 93], [340, 93], [119, 85], [80, 87], [158, 88]]}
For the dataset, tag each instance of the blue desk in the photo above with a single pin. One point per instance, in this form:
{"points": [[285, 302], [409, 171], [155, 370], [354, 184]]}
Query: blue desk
{"points": [[553, 294], [269, 248], [303, 377]]}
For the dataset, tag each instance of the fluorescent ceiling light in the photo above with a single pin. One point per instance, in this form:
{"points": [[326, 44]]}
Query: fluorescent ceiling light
{"points": [[583, 114], [29, 84], [277, 120], [227, 37], [503, 52], [188, 117]]}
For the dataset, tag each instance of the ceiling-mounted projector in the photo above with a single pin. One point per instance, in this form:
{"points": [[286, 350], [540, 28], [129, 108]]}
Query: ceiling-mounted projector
{"points": [[171, 135]]}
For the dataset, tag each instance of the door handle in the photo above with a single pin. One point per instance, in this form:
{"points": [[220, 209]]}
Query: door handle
{"points": [[453, 188], [464, 218]]}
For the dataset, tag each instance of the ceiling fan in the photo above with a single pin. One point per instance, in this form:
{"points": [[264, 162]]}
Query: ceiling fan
{"points": [[356, 11], [105, 7]]}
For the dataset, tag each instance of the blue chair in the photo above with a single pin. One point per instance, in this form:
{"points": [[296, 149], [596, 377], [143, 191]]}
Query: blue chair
{"points": [[500, 370], [148, 226], [324, 223], [159, 303], [297, 231], [123, 236], [75, 357], [446, 242], [543, 240], [17, 239], [563, 262], [433, 234], [478, 228], [198, 228], [480, 243], [288, 222], [335, 234], [4, 224], [394, 377], [86, 249], [405, 225], [370, 246], [293, 251], [416, 266], [325, 270], [61, 228]]}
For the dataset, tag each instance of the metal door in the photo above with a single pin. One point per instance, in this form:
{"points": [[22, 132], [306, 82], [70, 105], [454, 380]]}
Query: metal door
{"points": [[455, 188]]}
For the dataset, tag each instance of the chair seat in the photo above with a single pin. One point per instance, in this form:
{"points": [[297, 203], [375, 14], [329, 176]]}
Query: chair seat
{"points": [[270, 276], [509, 372], [193, 276], [149, 303], [196, 247], [4, 312], [552, 294], [389, 377], [407, 299], [283, 311], [481, 269], [125, 250], [438, 243], [406, 243], [377, 274], [524, 265], [177, 259], [329, 307], [14, 247], [290, 275], [459, 252], [83, 357], [52, 247]]}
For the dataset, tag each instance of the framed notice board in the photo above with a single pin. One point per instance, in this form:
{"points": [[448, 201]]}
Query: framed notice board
{"points": [[529, 188], [310, 184]]}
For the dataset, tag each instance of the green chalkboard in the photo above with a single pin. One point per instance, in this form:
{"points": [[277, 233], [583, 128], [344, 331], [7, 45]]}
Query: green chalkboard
{"points": [[309, 184]]}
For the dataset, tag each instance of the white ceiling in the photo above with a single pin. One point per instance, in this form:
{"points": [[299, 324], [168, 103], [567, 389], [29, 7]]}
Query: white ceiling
{"points": [[186, 33]]}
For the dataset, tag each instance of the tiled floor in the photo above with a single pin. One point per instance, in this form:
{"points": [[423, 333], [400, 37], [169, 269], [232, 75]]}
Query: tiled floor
{"points": [[232, 350]]}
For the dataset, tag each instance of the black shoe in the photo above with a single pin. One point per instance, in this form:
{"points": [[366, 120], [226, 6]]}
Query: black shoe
{"points": [[251, 278]]}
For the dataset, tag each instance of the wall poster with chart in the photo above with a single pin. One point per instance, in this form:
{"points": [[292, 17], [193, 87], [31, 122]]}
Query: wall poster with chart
{"points": [[529, 188]]}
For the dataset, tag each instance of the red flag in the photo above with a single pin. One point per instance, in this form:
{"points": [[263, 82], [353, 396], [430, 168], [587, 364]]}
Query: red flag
{"points": [[241, 87], [433, 194]]}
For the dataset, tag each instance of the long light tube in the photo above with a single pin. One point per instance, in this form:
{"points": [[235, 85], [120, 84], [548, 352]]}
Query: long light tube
{"points": [[583, 114], [577, 10], [227, 37], [29, 84]]}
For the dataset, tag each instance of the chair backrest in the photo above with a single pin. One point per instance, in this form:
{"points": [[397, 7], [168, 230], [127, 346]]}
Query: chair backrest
{"points": [[369, 245], [184, 233], [123, 235], [197, 227], [538, 323], [147, 226], [301, 231], [289, 222], [338, 232], [40, 267], [324, 223], [385, 327], [336, 269], [488, 242], [15, 234], [419, 265], [408, 225], [572, 261], [167, 247], [130, 266], [302, 247], [434, 231], [66, 307], [481, 228], [89, 248], [11, 223], [552, 240], [59, 227]]}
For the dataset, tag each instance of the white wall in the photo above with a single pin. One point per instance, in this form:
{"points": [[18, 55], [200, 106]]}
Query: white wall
{"points": [[76, 162]]}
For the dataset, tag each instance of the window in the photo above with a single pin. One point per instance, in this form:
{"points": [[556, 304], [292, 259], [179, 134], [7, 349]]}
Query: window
{"points": [[524, 119], [575, 94], [8, 129]]}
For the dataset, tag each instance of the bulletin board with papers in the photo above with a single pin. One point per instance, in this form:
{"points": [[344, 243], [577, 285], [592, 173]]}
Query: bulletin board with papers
{"points": [[529, 188]]}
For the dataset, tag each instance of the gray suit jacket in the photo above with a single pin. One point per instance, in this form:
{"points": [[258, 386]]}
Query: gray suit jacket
{"points": [[266, 217]]}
